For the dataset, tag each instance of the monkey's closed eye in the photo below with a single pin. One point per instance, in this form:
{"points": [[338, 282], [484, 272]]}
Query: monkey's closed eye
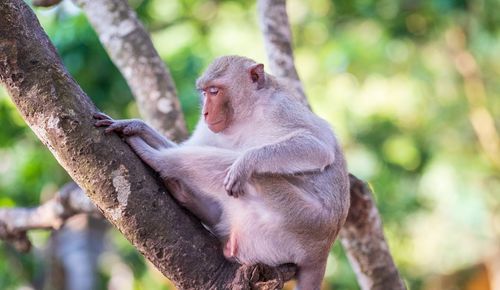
{"points": [[213, 90]]}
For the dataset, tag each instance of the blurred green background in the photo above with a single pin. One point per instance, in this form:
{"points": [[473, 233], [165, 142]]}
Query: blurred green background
{"points": [[411, 87]]}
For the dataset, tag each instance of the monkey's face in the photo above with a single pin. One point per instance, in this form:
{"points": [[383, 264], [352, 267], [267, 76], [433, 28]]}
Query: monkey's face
{"points": [[228, 89], [216, 108]]}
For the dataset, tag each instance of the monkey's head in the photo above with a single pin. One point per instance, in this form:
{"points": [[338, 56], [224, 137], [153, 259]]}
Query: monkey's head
{"points": [[228, 88]]}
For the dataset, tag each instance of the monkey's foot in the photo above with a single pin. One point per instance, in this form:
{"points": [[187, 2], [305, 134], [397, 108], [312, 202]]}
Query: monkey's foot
{"points": [[103, 120], [101, 116]]}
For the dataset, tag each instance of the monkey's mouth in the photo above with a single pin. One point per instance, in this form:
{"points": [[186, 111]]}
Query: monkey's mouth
{"points": [[215, 123]]}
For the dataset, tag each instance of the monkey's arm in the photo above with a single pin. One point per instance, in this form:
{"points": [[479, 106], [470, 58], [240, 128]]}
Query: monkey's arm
{"points": [[134, 127], [293, 154]]}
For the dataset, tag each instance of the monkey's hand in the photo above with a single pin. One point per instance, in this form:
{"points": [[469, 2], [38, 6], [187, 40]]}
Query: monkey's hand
{"points": [[237, 176], [124, 127]]}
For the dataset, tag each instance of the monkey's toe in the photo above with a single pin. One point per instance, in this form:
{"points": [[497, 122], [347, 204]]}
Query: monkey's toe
{"points": [[101, 116], [114, 127], [103, 123]]}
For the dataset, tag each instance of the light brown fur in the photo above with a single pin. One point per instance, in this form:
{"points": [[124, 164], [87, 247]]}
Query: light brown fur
{"points": [[269, 179]]}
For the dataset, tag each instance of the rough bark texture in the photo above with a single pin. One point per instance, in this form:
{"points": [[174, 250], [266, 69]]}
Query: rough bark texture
{"points": [[124, 190], [363, 239], [130, 47], [278, 42], [362, 235]]}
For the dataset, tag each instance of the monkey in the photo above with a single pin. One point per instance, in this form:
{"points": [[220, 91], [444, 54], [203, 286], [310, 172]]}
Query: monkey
{"points": [[261, 171]]}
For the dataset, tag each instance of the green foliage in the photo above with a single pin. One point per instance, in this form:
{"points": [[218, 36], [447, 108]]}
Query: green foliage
{"points": [[385, 73]]}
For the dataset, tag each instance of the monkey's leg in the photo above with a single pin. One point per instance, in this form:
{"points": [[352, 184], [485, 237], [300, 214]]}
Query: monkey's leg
{"points": [[133, 127], [310, 276], [201, 168], [193, 173], [201, 205]]}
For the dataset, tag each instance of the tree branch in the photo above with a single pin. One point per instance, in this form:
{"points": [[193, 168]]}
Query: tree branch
{"points": [[362, 237], [278, 42], [14, 222], [125, 191], [130, 47]]}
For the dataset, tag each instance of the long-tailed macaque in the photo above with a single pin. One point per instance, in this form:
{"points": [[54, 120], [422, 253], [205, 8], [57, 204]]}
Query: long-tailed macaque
{"points": [[261, 171]]}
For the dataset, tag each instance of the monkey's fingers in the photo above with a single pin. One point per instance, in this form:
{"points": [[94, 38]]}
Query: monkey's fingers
{"points": [[115, 127], [226, 180], [238, 189], [229, 183], [101, 116], [132, 128], [103, 123], [233, 190], [233, 183]]}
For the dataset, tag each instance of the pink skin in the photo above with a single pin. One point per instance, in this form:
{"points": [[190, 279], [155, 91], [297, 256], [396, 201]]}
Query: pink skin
{"points": [[214, 109]]}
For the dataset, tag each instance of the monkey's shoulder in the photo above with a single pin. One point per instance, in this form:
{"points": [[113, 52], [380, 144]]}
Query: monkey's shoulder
{"points": [[285, 112]]}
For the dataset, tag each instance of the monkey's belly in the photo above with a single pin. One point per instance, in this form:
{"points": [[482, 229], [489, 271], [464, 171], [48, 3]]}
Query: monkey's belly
{"points": [[257, 235]]}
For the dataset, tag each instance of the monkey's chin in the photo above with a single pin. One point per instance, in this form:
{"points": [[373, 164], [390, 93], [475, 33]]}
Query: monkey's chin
{"points": [[217, 127]]}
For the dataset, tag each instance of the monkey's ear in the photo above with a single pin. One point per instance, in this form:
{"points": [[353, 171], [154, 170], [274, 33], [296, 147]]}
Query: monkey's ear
{"points": [[257, 75]]}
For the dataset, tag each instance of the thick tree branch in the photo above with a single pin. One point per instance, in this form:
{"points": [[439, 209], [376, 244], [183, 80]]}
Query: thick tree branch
{"points": [[124, 190], [130, 47], [362, 235]]}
